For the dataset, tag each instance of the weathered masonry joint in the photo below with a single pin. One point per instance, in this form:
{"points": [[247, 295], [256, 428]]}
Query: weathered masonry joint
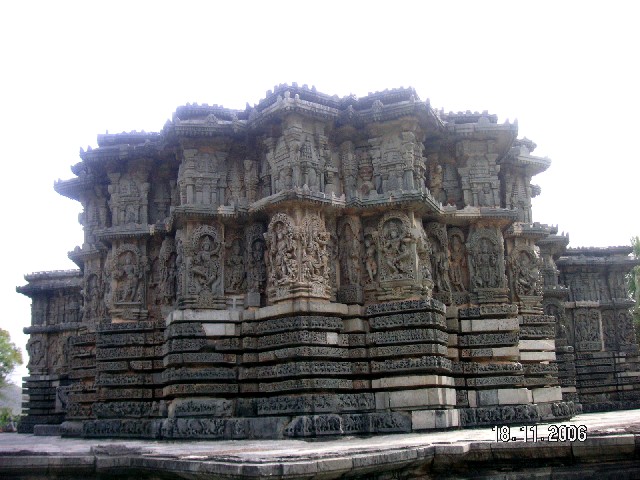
{"points": [[317, 265]]}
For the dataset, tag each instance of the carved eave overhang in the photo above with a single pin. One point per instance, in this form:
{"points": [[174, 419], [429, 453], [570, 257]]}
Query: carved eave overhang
{"points": [[531, 164], [127, 138], [534, 231], [206, 213], [484, 129], [554, 244], [207, 127], [61, 327], [287, 105], [500, 217], [40, 282], [556, 291], [73, 188], [123, 233], [298, 196], [381, 113], [420, 201], [80, 255], [599, 258], [121, 152]]}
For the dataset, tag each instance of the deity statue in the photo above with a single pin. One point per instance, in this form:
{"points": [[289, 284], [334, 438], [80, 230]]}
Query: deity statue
{"points": [[206, 266], [484, 265], [396, 249], [370, 262], [457, 264], [349, 257], [129, 276]]}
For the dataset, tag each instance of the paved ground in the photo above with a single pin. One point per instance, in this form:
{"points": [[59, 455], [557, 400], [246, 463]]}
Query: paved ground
{"points": [[611, 439]]}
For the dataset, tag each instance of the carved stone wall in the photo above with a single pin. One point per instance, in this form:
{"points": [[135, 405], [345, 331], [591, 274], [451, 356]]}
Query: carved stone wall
{"points": [[315, 265]]}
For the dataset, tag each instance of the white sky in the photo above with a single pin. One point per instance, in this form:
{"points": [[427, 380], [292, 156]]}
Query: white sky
{"points": [[568, 71]]}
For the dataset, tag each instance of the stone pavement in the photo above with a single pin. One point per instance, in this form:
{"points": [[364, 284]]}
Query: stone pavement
{"points": [[610, 450]]}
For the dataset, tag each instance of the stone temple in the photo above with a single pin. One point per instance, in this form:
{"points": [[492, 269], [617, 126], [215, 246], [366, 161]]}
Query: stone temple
{"points": [[316, 265]]}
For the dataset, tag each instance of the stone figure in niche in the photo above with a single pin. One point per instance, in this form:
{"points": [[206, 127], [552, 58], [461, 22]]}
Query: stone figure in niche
{"points": [[257, 273], [485, 195], [180, 266], [128, 276], [626, 333], [395, 248], [436, 184], [370, 258], [206, 266], [315, 258], [235, 277], [36, 351], [169, 275], [425, 255], [526, 274], [366, 183], [457, 263], [349, 257], [561, 328], [485, 265], [250, 180], [93, 297], [72, 309], [283, 255]]}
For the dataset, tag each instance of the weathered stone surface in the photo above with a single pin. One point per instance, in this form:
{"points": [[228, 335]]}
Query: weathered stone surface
{"points": [[305, 266]]}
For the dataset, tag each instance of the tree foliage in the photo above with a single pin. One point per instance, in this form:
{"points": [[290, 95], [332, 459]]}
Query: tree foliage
{"points": [[10, 356]]}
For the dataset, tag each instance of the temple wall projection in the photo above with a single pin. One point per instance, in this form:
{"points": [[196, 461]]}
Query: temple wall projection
{"points": [[317, 265]]}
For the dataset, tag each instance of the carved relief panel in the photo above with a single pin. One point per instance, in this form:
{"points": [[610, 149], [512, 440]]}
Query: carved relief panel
{"points": [[487, 265], [128, 199], [524, 269], [255, 264], [95, 215], [96, 287], [201, 178], [517, 194], [235, 274], [588, 329], [479, 175], [297, 256], [350, 259], [440, 264], [202, 263], [486, 252], [458, 265], [300, 158], [564, 334], [396, 249]]}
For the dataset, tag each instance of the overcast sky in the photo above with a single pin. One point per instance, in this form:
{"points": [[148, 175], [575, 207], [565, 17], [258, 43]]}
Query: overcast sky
{"points": [[568, 71]]}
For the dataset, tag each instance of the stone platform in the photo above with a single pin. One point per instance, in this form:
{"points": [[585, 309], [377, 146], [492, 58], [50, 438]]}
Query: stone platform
{"points": [[611, 450]]}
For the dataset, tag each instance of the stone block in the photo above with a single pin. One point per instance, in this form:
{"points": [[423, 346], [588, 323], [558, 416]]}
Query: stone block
{"points": [[424, 397], [355, 325], [485, 398], [489, 325], [537, 356], [432, 419], [382, 400], [220, 329], [544, 395], [413, 381], [514, 396], [537, 345]]}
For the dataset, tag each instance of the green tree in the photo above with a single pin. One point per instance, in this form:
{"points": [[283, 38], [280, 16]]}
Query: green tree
{"points": [[10, 356]]}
